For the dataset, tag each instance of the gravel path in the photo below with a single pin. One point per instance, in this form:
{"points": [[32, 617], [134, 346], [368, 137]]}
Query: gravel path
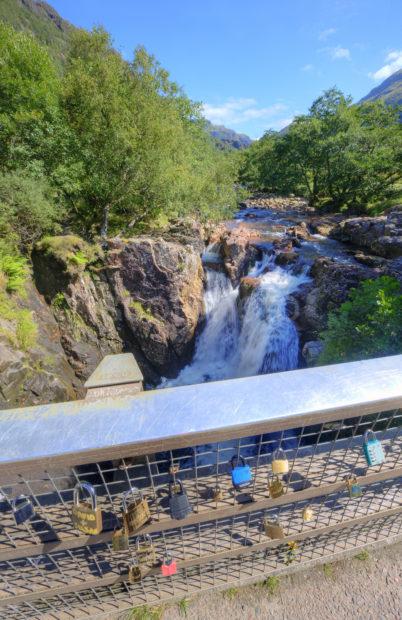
{"points": [[368, 589]]}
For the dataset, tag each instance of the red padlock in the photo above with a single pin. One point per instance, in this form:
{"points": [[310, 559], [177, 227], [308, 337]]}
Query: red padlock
{"points": [[168, 566]]}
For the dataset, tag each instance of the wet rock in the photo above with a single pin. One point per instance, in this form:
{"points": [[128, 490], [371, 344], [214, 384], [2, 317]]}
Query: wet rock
{"points": [[381, 235], [299, 231], [370, 260], [286, 258], [248, 285], [236, 249], [159, 286], [292, 308], [312, 351], [186, 231]]}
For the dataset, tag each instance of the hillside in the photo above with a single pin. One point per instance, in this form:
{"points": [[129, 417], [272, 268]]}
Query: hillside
{"points": [[228, 138], [390, 90], [42, 20]]}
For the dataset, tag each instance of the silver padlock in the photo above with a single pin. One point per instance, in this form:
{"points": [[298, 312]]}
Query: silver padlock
{"points": [[22, 508]]}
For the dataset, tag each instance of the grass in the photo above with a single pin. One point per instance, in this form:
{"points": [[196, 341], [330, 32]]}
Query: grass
{"points": [[59, 301], [26, 330], [144, 613], [14, 272], [183, 606], [272, 584], [70, 250], [142, 312], [363, 555], [328, 570], [231, 593]]}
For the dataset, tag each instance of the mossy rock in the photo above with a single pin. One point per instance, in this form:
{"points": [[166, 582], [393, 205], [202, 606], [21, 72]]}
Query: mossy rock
{"points": [[71, 251]]}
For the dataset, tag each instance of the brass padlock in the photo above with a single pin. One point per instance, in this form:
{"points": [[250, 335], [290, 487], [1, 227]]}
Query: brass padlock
{"points": [[120, 541], [145, 550], [354, 487], [308, 514], [217, 494], [280, 464], [86, 517], [136, 513], [275, 487], [272, 528], [134, 572]]}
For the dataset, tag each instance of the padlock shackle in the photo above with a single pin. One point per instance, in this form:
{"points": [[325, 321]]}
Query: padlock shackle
{"points": [[173, 484], [84, 486], [370, 434], [235, 459], [20, 498], [132, 491], [146, 538], [167, 558], [279, 455]]}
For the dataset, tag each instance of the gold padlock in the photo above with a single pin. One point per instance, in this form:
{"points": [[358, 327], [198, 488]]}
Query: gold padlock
{"points": [[136, 513], [86, 517], [280, 464], [275, 487], [308, 514], [217, 494], [272, 528], [134, 573], [145, 550], [120, 541]]}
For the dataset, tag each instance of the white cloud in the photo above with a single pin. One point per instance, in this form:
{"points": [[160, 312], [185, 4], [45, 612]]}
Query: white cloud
{"points": [[323, 36], [280, 123], [339, 53], [307, 68], [393, 63], [237, 111]]}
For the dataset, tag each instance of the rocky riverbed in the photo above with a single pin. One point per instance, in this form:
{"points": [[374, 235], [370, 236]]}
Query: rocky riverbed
{"points": [[147, 294]]}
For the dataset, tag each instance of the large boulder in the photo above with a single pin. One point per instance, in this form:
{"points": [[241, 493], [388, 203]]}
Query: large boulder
{"points": [[381, 236], [159, 286], [70, 274], [236, 248]]}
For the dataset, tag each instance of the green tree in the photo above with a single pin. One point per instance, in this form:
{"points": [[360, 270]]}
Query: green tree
{"points": [[342, 155], [368, 325]]}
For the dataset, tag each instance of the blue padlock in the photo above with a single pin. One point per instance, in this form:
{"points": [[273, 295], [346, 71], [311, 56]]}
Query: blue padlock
{"points": [[373, 450], [241, 473]]}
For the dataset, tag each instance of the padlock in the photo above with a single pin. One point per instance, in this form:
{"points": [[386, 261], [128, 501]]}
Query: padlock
{"points": [[373, 450], [145, 550], [308, 514], [354, 487], [168, 566], [275, 487], [22, 508], [272, 528], [217, 494], [86, 517], [241, 474], [134, 572], [120, 541], [280, 464], [178, 501], [136, 513]]}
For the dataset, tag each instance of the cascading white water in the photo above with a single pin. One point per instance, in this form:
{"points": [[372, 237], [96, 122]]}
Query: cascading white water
{"points": [[263, 339]]}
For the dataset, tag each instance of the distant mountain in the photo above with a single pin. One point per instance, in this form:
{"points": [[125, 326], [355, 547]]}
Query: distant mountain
{"points": [[227, 139], [390, 90], [42, 20]]}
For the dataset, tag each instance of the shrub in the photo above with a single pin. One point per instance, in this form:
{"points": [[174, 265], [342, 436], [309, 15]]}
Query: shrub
{"points": [[367, 325]]}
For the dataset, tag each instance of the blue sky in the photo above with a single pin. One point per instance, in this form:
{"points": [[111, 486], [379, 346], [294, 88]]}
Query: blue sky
{"points": [[255, 64]]}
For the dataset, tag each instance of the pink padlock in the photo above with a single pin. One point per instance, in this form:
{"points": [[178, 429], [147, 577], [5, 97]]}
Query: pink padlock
{"points": [[168, 566]]}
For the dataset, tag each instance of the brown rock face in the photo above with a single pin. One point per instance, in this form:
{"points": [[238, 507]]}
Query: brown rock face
{"points": [[159, 285], [38, 373], [81, 301], [236, 249], [380, 235], [247, 286]]}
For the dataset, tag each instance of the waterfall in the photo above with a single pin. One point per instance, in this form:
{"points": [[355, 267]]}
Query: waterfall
{"points": [[245, 338]]}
